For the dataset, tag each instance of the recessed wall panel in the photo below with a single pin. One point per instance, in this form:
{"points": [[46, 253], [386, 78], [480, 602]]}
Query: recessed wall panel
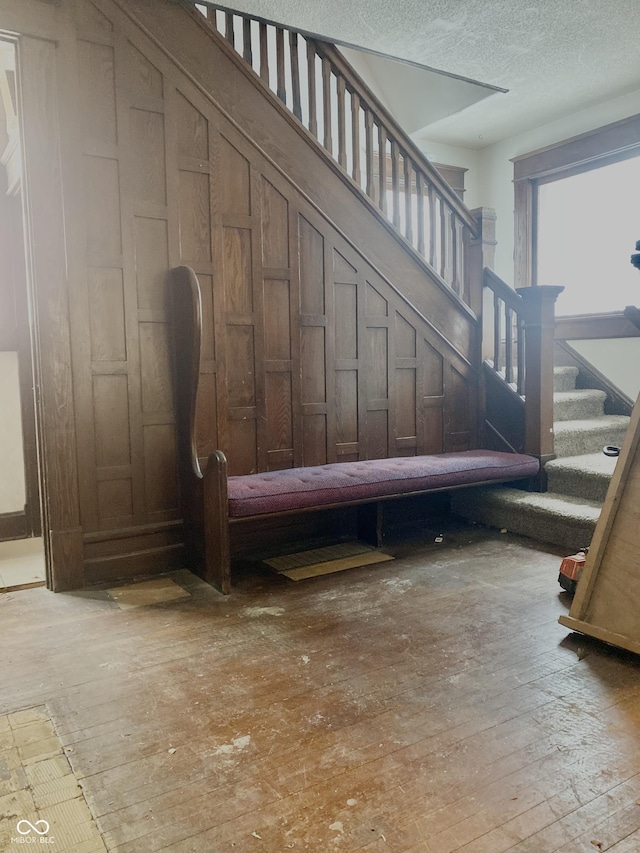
{"points": [[111, 418], [238, 280], [161, 485], [346, 320], [195, 217], [314, 386], [277, 321], [241, 379], [312, 273], [346, 406], [279, 411], [275, 227], [155, 368], [106, 314], [147, 152], [97, 85], [235, 180], [152, 262], [102, 207]]}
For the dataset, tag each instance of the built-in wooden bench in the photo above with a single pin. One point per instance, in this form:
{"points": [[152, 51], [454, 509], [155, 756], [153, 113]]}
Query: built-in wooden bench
{"points": [[213, 502]]}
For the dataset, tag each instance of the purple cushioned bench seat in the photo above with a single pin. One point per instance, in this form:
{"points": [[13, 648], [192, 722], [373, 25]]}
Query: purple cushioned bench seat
{"points": [[341, 482]]}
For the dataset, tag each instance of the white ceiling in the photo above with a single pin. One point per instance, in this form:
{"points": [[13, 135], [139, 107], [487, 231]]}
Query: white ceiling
{"points": [[555, 57]]}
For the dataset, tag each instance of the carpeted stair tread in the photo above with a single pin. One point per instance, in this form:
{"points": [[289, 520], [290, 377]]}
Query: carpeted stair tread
{"points": [[578, 437], [557, 519], [585, 476], [564, 378], [578, 405]]}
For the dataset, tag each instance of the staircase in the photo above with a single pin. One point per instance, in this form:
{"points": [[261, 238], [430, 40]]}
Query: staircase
{"points": [[578, 478]]}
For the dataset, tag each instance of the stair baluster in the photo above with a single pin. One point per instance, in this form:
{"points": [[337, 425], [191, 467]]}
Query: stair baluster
{"points": [[364, 139]]}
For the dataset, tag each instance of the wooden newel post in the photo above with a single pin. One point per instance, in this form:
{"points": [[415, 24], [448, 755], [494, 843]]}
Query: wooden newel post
{"points": [[539, 335]]}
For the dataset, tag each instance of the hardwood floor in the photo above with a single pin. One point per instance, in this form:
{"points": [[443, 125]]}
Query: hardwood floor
{"points": [[425, 705]]}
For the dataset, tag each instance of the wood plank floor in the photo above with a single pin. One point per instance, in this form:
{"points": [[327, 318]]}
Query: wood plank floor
{"points": [[425, 705]]}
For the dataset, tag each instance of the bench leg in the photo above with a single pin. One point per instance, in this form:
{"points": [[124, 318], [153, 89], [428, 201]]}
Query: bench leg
{"points": [[217, 568], [370, 524]]}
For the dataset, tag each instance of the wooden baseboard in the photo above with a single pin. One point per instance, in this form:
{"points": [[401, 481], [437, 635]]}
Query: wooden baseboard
{"points": [[13, 525], [119, 567]]}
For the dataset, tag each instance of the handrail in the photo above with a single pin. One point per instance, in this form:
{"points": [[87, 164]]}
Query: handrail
{"points": [[333, 103], [632, 314], [338, 60], [612, 324]]}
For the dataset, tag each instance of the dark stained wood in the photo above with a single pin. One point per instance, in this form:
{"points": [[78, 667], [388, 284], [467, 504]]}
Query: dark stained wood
{"points": [[539, 328], [525, 212], [408, 195], [311, 83], [395, 182], [595, 327], [420, 213], [229, 29], [295, 75], [355, 136], [49, 269], [589, 150], [247, 51], [342, 118], [433, 248], [158, 174], [382, 168], [368, 154], [504, 415], [454, 176], [331, 53], [446, 241], [297, 166], [264, 53], [281, 88], [327, 139]]}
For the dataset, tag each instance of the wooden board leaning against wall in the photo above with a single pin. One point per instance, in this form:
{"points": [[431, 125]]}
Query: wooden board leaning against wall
{"points": [[607, 600]]}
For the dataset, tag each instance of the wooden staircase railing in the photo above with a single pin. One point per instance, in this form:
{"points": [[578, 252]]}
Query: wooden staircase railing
{"points": [[318, 85], [519, 330]]}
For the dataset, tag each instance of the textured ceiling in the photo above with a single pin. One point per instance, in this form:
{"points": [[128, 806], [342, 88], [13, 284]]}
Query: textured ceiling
{"points": [[554, 56]]}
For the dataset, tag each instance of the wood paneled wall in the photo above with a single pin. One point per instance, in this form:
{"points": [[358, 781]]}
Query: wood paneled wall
{"points": [[310, 353]]}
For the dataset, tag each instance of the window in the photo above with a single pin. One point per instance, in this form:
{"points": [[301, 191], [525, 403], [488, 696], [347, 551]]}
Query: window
{"points": [[587, 228], [577, 217]]}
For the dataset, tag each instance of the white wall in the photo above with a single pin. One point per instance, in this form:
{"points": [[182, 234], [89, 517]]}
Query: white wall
{"points": [[495, 171], [12, 486], [490, 175], [617, 359]]}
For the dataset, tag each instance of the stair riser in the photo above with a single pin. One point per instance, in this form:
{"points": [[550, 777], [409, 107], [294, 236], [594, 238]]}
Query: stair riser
{"points": [[565, 381], [579, 443], [591, 487], [570, 534], [575, 410]]}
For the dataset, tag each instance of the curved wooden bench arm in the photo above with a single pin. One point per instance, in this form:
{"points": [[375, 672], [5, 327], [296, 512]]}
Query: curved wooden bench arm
{"points": [[187, 308], [204, 496]]}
